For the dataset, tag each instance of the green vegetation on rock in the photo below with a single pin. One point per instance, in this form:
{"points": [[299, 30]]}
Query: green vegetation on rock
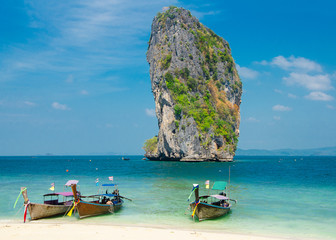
{"points": [[150, 146], [210, 111], [165, 63]]}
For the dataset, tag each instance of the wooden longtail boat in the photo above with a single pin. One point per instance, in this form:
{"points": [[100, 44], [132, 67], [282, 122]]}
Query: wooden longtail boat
{"points": [[210, 206], [102, 203], [50, 207]]}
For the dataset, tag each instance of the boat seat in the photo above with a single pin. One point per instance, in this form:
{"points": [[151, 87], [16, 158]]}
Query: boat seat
{"points": [[51, 202]]}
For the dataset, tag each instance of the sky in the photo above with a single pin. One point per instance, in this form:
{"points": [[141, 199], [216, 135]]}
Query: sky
{"points": [[74, 79]]}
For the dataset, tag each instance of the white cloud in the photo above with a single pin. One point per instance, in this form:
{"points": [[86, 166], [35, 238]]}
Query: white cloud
{"points": [[84, 92], [316, 82], [164, 9], [281, 108], [252, 119], [70, 79], [79, 22], [82, 37], [28, 103], [290, 95], [59, 106], [247, 73], [294, 63], [150, 112], [263, 62], [304, 73], [319, 96], [200, 14], [330, 107], [277, 118]]}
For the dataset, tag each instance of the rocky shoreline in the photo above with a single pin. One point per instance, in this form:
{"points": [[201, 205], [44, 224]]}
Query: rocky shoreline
{"points": [[188, 159]]}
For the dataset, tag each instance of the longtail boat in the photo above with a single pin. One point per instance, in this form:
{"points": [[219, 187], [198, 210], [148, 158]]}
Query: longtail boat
{"points": [[210, 206], [99, 204], [51, 206]]}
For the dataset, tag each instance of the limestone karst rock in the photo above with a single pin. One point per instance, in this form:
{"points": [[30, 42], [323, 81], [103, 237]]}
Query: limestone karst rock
{"points": [[196, 88]]}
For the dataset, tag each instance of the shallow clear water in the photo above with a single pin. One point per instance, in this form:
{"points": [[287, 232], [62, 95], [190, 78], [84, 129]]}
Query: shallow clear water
{"points": [[283, 196]]}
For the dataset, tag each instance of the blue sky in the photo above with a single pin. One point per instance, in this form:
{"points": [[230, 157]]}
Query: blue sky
{"points": [[74, 77]]}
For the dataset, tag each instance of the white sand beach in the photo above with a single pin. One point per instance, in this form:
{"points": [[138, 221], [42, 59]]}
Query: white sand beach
{"points": [[42, 231]]}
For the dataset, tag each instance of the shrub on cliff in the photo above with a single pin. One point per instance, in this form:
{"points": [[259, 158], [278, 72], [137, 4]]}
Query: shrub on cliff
{"points": [[166, 62], [150, 146]]}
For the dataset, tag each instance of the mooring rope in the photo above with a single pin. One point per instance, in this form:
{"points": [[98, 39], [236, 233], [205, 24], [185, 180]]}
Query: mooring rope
{"points": [[19, 210]]}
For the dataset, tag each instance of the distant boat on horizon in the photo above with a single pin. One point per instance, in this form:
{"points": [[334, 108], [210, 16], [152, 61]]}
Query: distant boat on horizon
{"points": [[125, 158]]}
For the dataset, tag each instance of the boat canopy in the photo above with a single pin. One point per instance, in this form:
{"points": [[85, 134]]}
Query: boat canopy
{"points": [[219, 185], [104, 195], [220, 197], [108, 195], [65, 194], [71, 182], [108, 185]]}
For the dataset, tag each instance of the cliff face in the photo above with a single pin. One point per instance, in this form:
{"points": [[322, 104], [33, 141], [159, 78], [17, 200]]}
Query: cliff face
{"points": [[196, 88]]}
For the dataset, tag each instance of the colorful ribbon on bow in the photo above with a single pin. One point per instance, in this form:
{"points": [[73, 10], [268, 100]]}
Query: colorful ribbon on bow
{"points": [[73, 207], [195, 209], [19, 196], [25, 211], [194, 187]]}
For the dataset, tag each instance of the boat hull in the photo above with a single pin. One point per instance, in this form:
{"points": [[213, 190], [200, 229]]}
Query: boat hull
{"points": [[207, 211], [118, 206], [88, 209], [38, 211]]}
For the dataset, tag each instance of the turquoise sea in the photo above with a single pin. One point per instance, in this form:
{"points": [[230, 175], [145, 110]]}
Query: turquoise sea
{"points": [[277, 196]]}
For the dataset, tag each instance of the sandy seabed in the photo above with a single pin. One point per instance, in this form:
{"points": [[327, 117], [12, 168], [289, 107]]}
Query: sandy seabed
{"points": [[43, 231]]}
